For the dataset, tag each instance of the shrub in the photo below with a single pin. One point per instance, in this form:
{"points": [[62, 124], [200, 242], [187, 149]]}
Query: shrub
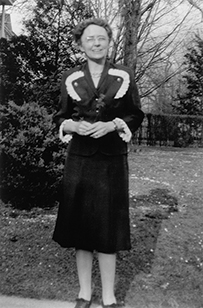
{"points": [[31, 156]]}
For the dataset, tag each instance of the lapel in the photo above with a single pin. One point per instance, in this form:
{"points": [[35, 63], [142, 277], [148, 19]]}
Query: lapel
{"points": [[104, 77], [102, 82], [108, 85], [88, 78]]}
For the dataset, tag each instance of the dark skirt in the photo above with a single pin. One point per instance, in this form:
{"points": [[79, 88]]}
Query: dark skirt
{"points": [[94, 211]]}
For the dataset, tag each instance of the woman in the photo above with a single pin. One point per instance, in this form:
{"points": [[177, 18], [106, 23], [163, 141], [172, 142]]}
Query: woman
{"points": [[99, 111]]}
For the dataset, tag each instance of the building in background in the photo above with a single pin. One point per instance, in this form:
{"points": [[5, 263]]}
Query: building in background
{"points": [[5, 20], [7, 32]]}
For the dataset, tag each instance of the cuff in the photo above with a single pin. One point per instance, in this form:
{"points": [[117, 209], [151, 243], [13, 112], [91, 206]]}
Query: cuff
{"points": [[125, 134], [67, 137]]}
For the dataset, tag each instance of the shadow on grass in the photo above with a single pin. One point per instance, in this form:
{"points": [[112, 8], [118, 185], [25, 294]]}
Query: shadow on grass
{"points": [[146, 213]]}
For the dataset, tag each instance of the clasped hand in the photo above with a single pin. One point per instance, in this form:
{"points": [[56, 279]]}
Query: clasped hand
{"points": [[94, 130]]}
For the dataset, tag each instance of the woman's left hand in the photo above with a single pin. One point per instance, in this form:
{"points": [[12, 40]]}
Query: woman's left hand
{"points": [[100, 129]]}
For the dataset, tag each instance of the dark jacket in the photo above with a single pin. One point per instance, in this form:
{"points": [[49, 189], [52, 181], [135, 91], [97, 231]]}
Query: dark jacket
{"points": [[115, 96]]}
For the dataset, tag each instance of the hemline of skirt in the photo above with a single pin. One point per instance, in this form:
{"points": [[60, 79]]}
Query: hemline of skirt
{"points": [[92, 249]]}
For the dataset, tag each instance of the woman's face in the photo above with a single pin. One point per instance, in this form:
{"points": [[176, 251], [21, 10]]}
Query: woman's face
{"points": [[95, 42]]}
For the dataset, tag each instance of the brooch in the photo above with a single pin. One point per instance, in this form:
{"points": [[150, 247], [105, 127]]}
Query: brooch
{"points": [[100, 103]]}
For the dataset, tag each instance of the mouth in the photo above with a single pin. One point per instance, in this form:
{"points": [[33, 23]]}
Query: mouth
{"points": [[97, 50]]}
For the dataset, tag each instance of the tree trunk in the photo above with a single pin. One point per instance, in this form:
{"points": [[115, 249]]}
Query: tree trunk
{"points": [[131, 14], [201, 141]]}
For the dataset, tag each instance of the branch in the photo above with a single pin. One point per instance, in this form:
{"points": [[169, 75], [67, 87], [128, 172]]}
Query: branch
{"points": [[162, 82], [194, 4], [148, 7], [159, 48]]}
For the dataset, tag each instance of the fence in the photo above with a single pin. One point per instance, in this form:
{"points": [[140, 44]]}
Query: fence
{"points": [[170, 130]]}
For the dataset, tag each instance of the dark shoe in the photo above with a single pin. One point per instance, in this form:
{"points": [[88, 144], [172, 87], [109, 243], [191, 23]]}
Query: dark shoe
{"points": [[82, 303], [114, 305]]}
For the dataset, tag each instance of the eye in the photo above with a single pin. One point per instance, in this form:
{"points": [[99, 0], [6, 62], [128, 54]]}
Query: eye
{"points": [[90, 39], [102, 38]]}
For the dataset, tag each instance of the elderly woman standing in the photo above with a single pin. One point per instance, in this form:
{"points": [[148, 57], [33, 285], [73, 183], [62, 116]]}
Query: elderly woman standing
{"points": [[99, 111]]}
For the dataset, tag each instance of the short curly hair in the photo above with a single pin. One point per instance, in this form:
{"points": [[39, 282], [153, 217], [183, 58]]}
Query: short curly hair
{"points": [[78, 32]]}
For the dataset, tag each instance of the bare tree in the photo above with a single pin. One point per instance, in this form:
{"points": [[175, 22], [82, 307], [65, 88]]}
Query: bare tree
{"points": [[144, 34], [147, 36]]}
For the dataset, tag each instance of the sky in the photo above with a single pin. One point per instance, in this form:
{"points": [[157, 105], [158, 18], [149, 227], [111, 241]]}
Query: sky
{"points": [[16, 21], [193, 21]]}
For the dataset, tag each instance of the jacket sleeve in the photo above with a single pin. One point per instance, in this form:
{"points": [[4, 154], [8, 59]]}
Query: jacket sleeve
{"points": [[65, 109], [133, 114]]}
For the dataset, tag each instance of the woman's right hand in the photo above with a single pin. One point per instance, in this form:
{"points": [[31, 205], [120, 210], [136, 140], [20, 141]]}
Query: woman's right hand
{"points": [[82, 128]]}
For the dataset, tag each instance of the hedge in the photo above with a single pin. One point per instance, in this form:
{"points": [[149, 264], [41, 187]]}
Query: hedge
{"points": [[32, 156]]}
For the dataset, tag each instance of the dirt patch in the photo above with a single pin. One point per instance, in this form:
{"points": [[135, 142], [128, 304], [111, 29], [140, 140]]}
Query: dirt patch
{"points": [[168, 185]]}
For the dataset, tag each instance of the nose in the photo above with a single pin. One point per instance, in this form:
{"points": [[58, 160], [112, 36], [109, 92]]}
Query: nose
{"points": [[96, 41]]}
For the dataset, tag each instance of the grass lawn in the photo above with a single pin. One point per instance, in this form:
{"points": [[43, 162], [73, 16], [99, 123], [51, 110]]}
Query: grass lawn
{"points": [[164, 269]]}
